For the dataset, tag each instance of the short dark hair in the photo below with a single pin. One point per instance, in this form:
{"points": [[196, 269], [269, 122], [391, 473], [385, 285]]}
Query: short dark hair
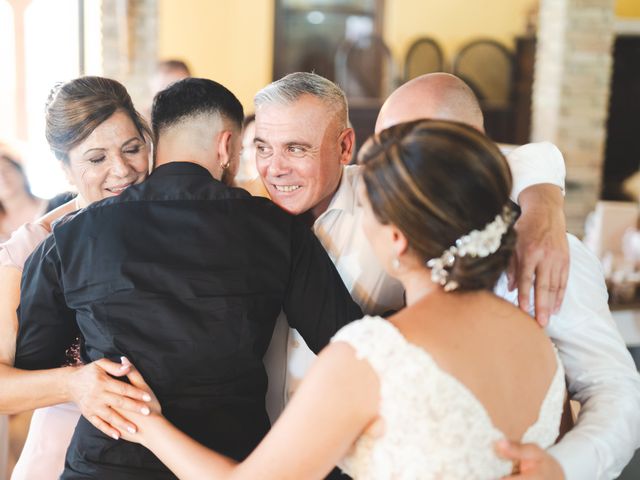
{"points": [[191, 97]]}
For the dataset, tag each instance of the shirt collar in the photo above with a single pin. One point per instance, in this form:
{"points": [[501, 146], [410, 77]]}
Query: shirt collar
{"points": [[345, 197], [181, 168]]}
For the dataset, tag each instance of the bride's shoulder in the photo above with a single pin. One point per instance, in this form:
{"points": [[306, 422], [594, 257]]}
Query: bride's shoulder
{"points": [[366, 329], [372, 338]]}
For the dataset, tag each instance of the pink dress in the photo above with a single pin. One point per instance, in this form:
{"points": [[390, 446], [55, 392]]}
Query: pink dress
{"points": [[51, 428]]}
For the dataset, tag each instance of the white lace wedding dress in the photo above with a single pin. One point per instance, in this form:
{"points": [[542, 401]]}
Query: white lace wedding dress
{"points": [[435, 428]]}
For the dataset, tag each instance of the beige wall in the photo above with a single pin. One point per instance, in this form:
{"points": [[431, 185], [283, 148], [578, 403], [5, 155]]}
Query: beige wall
{"points": [[628, 8], [453, 22], [229, 41]]}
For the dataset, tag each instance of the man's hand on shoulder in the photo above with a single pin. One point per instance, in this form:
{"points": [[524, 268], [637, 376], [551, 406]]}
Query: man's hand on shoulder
{"points": [[530, 461], [541, 257]]}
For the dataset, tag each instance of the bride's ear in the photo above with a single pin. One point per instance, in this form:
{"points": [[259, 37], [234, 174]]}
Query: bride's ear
{"points": [[399, 241]]}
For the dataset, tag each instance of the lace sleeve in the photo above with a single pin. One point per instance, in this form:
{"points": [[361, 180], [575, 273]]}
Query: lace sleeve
{"points": [[374, 339]]}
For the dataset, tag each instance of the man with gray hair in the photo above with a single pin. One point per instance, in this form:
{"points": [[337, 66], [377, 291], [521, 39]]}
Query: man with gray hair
{"points": [[303, 145]]}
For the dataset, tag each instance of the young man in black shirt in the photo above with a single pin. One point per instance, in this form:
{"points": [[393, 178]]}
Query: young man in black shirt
{"points": [[185, 276]]}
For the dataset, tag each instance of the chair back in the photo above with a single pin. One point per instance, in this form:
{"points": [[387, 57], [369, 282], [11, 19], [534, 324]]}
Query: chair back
{"points": [[424, 56]]}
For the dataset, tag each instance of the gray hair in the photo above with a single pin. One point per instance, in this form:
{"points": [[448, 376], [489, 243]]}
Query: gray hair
{"points": [[290, 88]]}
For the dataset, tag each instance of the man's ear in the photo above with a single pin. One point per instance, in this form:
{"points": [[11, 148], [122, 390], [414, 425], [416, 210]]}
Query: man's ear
{"points": [[347, 141], [225, 149]]}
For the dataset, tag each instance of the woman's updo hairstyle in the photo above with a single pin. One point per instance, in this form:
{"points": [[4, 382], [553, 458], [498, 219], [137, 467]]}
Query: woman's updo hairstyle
{"points": [[437, 181], [76, 108]]}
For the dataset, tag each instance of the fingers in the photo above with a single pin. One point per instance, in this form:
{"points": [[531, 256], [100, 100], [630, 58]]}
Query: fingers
{"points": [[508, 450], [136, 379], [113, 368], [545, 292], [512, 272], [564, 278], [518, 452], [525, 281], [122, 402], [114, 420], [104, 427], [125, 390]]}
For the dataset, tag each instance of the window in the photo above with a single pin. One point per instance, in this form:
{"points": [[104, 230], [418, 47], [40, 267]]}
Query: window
{"points": [[46, 41], [309, 32]]}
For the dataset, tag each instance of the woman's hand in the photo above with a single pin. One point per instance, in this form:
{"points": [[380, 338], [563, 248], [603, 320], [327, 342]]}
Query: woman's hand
{"points": [[530, 461], [102, 399], [144, 423]]}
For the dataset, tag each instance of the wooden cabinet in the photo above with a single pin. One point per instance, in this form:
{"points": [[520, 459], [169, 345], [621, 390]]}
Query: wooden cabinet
{"points": [[622, 154], [523, 88]]}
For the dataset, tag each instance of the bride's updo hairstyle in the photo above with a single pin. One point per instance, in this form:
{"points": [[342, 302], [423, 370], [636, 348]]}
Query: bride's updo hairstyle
{"points": [[437, 181]]}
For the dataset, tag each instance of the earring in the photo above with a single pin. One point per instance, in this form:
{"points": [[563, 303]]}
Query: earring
{"points": [[224, 166], [395, 263]]}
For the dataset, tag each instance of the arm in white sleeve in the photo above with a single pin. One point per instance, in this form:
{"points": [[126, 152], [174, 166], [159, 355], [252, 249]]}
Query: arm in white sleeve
{"points": [[601, 375], [535, 163]]}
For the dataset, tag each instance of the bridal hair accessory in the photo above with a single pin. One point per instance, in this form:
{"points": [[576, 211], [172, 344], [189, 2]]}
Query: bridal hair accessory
{"points": [[477, 243]]}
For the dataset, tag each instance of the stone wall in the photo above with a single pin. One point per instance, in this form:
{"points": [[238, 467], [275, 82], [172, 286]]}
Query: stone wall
{"points": [[129, 45], [571, 94]]}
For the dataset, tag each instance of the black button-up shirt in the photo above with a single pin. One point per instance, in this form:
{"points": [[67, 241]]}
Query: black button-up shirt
{"points": [[185, 276]]}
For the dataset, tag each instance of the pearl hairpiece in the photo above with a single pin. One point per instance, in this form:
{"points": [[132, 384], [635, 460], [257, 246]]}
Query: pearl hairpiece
{"points": [[477, 243]]}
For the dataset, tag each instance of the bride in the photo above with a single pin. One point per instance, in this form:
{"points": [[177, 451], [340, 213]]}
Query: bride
{"points": [[444, 379]]}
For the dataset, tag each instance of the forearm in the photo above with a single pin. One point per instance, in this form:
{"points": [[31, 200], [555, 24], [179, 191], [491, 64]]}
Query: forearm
{"points": [[172, 447], [543, 196], [606, 433], [24, 390]]}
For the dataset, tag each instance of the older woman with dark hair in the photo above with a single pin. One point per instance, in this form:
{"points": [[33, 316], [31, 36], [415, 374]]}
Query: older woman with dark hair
{"points": [[17, 204], [103, 145]]}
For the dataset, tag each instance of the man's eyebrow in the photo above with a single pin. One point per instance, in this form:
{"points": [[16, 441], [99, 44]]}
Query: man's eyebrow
{"points": [[258, 139], [299, 144]]}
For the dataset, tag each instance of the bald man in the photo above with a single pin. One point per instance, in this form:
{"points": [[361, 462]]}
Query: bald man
{"points": [[600, 372], [542, 252]]}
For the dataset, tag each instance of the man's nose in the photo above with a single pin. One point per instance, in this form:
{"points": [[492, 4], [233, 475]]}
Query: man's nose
{"points": [[278, 165]]}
